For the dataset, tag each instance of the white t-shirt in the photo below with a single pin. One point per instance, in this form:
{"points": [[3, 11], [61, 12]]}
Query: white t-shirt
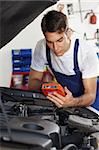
{"points": [[87, 59]]}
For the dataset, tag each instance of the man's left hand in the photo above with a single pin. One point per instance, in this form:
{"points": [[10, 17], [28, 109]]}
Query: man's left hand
{"points": [[62, 101]]}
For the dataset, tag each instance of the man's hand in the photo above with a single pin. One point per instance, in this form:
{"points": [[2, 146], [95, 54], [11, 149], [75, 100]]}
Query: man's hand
{"points": [[35, 80], [62, 101], [82, 101]]}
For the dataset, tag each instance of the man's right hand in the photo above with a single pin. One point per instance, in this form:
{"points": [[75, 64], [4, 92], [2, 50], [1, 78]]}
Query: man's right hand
{"points": [[35, 80]]}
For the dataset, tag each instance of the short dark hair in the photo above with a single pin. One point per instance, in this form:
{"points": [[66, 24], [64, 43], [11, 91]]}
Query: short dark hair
{"points": [[54, 21]]}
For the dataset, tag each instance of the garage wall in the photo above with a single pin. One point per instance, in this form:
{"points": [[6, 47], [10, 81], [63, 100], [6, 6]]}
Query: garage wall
{"points": [[28, 37]]}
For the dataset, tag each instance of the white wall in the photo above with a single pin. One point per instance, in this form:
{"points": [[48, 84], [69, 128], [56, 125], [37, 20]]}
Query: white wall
{"points": [[28, 37]]}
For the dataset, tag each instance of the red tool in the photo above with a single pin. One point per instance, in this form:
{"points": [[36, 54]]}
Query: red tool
{"points": [[93, 19], [51, 87]]}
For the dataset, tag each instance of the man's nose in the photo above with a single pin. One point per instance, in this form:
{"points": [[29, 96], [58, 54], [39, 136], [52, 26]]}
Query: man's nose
{"points": [[55, 46]]}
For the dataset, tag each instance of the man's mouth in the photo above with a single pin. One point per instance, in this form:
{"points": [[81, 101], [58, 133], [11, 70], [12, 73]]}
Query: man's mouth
{"points": [[59, 53]]}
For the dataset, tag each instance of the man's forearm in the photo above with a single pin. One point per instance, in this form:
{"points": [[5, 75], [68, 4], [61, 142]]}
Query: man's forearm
{"points": [[84, 100], [35, 84]]}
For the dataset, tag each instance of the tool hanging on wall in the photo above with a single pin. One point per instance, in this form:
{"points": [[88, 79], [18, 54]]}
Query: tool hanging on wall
{"points": [[96, 35], [93, 18]]}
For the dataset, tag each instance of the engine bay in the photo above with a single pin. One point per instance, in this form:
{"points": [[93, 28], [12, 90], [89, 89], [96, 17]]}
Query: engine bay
{"points": [[28, 120]]}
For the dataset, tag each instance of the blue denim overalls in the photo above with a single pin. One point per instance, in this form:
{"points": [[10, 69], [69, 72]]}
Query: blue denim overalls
{"points": [[72, 82]]}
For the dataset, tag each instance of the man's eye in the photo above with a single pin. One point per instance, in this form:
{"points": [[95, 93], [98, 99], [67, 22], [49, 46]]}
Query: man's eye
{"points": [[49, 42], [60, 40]]}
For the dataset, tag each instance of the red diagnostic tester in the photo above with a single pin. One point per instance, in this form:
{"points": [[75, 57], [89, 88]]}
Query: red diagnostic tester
{"points": [[51, 87]]}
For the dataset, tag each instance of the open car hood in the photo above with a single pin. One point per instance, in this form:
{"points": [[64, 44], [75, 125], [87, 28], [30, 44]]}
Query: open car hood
{"points": [[16, 15]]}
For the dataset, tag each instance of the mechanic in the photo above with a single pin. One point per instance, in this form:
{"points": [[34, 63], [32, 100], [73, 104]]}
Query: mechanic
{"points": [[72, 61]]}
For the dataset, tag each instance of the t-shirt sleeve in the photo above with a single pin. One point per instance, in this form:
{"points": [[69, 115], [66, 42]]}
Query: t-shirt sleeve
{"points": [[38, 58], [90, 67]]}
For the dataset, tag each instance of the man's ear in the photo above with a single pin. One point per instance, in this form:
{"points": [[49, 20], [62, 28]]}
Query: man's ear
{"points": [[66, 30], [69, 32]]}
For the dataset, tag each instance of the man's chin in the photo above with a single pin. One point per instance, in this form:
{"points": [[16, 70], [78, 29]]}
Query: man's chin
{"points": [[59, 54]]}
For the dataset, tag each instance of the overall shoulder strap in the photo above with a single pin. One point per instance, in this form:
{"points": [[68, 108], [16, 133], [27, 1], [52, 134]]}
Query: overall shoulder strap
{"points": [[48, 57], [76, 47]]}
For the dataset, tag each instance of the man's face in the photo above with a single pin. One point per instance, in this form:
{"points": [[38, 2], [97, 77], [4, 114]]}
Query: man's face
{"points": [[56, 42]]}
